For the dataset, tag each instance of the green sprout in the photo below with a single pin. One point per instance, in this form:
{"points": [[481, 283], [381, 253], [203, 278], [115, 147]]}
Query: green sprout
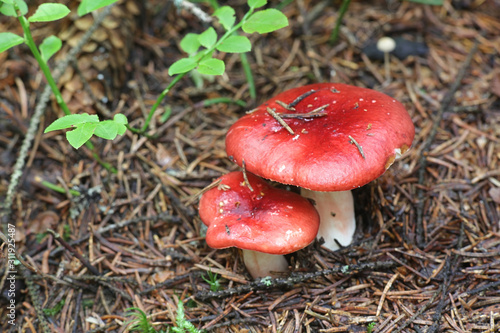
{"points": [[141, 323], [267, 281], [213, 281], [56, 309], [84, 126]]}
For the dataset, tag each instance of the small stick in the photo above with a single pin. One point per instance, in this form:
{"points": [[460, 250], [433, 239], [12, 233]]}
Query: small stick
{"points": [[251, 111], [74, 252], [243, 165], [203, 190], [284, 105], [281, 121], [77, 310], [318, 112], [384, 293], [302, 115], [358, 146], [301, 97]]}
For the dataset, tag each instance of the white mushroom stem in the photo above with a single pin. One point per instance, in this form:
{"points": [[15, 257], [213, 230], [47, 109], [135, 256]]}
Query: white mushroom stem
{"points": [[260, 264], [386, 45], [336, 217]]}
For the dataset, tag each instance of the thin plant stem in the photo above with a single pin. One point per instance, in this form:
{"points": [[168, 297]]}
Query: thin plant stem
{"points": [[157, 103], [249, 75], [58, 188], [226, 100], [28, 39], [343, 9]]}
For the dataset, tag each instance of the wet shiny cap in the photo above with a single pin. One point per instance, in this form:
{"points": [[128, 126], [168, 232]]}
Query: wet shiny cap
{"points": [[323, 137], [263, 218]]}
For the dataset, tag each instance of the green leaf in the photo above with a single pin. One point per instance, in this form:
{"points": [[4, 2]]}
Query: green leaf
{"points": [[47, 12], [226, 17], [49, 46], [121, 129], [190, 43], [71, 120], [235, 44], [81, 134], [256, 3], [208, 38], [87, 6], [120, 119], [8, 40], [212, 66], [106, 129], [266, 20], [8, 8], [56, 309], [182, 66]]}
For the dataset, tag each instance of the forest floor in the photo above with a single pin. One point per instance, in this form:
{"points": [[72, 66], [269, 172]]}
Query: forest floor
{"points": [[426, 254]]}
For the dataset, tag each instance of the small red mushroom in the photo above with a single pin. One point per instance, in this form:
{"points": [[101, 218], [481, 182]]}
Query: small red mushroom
{"points": [[263, 221], [327, 138]]}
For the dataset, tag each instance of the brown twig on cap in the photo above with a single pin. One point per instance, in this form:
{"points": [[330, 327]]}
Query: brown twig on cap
{"points": [[301, 97], [251, 111], [358, 146], [203, 190], [281, 121], [318, 112], [243, 165], [284, 105]]}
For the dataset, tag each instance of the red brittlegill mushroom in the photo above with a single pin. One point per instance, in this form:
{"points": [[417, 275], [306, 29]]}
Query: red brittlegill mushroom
{"points": [[263, 221], [328, 139]]}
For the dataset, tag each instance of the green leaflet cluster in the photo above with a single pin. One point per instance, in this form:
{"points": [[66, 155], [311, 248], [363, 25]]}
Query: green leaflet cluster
{"points": [[262, 21]]}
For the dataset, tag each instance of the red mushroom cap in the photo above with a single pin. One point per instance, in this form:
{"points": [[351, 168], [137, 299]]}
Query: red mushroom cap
{"points": [[266, 219], [356, 136]]}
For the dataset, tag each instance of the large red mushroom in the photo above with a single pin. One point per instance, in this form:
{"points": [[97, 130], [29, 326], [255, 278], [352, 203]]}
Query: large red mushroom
{"points": [[263, 221], [327, 138]]}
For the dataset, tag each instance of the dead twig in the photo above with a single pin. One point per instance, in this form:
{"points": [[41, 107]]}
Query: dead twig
{"points": [[358, 146], [264, 284], [296, 101], [318, 112], [74, 252], [247, 183], [279, 120]]}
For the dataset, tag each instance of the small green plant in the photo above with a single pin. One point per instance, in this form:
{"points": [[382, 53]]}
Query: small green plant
{"points": [[66, 233], [55, 310], [142, 324], [263, 21], [84, 125], [183, 325], [213, 281], [370, 327], [267, 281], [203, 60]]}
